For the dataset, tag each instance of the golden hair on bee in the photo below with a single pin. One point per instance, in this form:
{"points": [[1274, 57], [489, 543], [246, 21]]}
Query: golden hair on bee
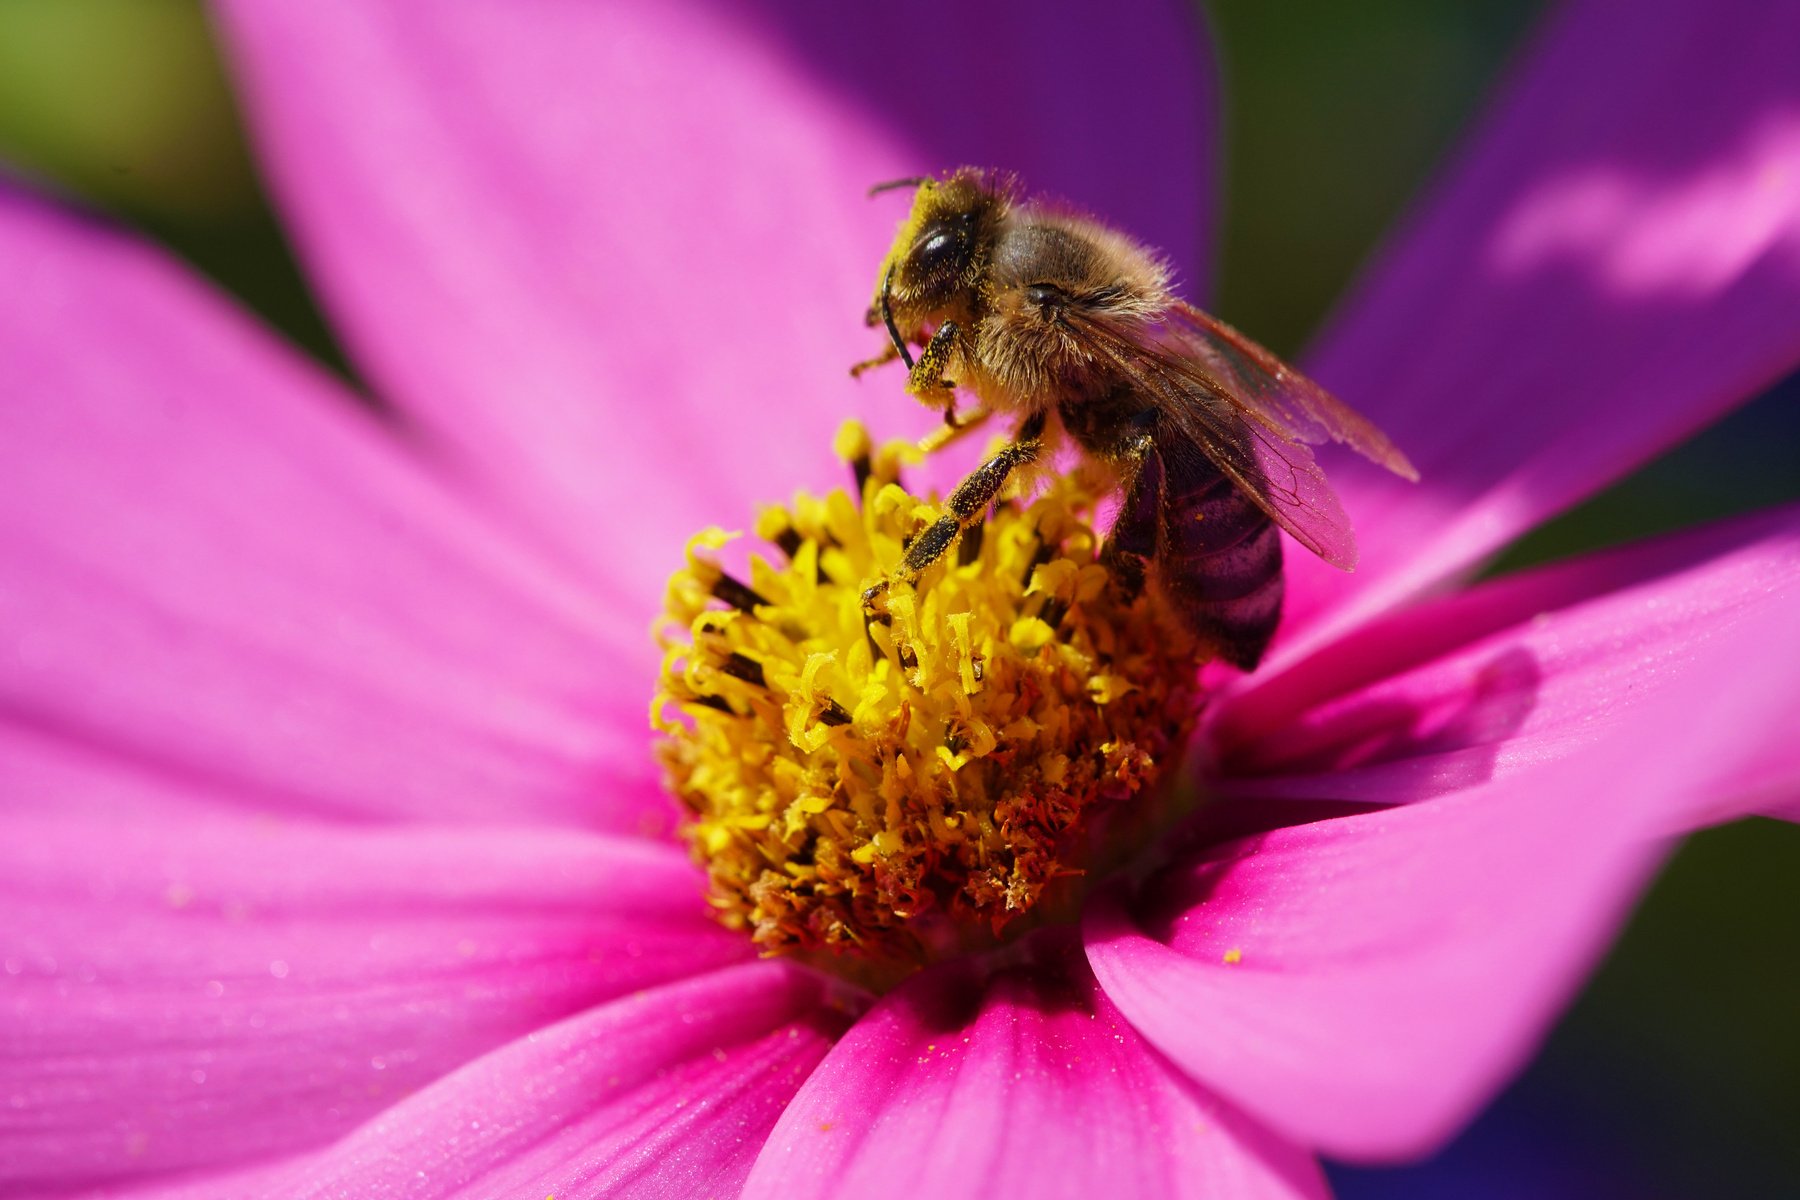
{"points": [[972, 255], [1065, 323]]}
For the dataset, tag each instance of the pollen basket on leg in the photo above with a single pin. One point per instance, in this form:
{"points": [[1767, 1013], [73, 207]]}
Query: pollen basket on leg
{"points": [[873, 786]]}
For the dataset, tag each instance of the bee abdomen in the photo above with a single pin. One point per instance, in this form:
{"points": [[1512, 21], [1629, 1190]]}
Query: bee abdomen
{"points": [[1220, 563]]}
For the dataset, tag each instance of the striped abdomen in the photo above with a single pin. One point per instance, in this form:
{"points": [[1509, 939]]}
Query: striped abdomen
{"points": [[1217, 555]]}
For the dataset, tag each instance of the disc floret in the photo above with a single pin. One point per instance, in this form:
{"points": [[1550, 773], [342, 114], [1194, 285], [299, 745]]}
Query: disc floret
{"points": [[874, 786]]}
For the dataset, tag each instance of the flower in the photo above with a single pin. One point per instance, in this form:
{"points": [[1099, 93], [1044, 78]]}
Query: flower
{"points": [[335, 862]]}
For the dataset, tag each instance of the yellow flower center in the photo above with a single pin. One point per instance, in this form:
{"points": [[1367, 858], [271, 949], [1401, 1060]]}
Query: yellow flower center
{"points": [[875, 790]]}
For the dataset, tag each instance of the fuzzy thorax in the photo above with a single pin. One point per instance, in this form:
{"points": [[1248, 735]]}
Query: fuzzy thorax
{"points": [[875, 790]]}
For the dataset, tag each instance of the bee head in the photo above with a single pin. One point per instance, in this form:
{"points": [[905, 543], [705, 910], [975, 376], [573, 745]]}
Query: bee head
{"points": [[940, 254]]}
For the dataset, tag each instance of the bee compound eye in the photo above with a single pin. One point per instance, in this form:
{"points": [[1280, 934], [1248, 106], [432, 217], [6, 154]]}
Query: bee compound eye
{"points": [[940, 250]]}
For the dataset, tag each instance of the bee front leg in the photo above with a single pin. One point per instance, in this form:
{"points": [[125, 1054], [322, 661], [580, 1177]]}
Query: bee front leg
{"points": [[926, 379], [967, 504]]}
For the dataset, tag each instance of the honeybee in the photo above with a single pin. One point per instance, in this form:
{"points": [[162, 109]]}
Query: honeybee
{"points": [[1064, 323]]}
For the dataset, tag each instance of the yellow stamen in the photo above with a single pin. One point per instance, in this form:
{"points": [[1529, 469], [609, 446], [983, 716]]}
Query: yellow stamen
{"points": [[873, 790]]}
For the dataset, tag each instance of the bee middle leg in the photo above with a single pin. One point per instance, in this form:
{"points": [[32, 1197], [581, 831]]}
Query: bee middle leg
{"points": [[967, 504], [888, 354], [955, 428]]}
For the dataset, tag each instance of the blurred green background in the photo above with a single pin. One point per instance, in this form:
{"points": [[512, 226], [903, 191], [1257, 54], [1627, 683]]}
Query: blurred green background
{"points": [[1677, 1073]]}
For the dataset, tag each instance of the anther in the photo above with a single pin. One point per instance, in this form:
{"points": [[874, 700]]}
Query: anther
{"points": [[740, 596], [789, 542], [969, 549], [747, 669]]}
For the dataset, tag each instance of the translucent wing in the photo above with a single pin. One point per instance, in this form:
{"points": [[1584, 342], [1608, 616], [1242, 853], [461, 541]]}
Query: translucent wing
{"points": [[1249, 412], [1278, 395]]}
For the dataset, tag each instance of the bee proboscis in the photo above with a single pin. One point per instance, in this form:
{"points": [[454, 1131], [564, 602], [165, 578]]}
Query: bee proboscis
{"points": [[1066, 324]]}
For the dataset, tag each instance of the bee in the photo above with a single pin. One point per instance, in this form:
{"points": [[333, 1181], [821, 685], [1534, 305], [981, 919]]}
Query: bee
{"points": [[1071, 327]]}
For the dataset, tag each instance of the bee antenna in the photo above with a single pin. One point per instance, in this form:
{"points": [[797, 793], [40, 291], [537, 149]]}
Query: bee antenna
{"points": [[894, 185], [887, 318]]}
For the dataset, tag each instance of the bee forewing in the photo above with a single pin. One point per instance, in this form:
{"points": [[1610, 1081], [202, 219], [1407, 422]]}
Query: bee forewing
{"points": [[1294, 491], [1282, 397], [1256, 450]]}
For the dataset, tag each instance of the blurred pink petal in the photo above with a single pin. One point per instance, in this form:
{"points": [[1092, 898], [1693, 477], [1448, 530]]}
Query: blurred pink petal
{"points": [[1783, 802], [1531, 668], [1612, 260], [44, 773], [218, 568], [1025, 1083], [617, 255], [1365, 983], [210, 992], [668, 1092]]}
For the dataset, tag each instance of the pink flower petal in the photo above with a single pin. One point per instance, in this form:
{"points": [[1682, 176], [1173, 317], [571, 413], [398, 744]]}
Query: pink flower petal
{"points": [[213, 564], [43, 773], [196, 995], [1500, 679], [1027, 1083], [1612, 261], [667, 1093], [1364, 983], [618, 255]]}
